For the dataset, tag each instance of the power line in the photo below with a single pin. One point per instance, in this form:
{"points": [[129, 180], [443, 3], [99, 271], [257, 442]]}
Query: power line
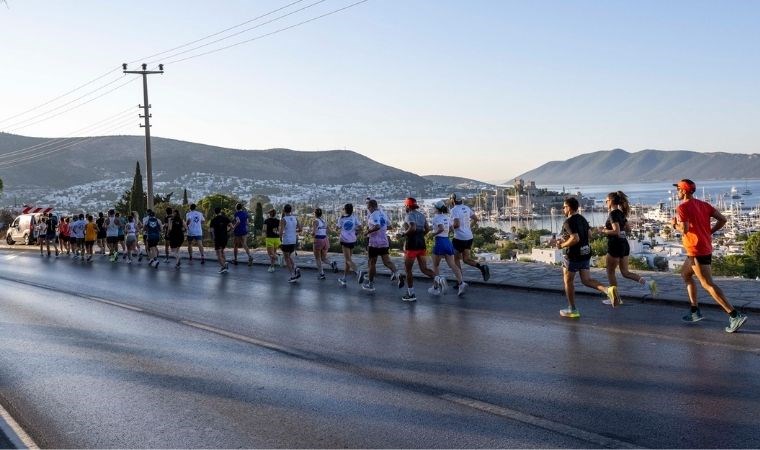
{"points": [[16, 125], [267, 34], [77, 106], [73, 142], [242, 31], [122, 114]]}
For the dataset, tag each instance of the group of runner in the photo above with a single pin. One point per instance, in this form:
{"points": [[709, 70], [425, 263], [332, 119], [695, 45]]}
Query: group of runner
{"points": [[695, 219]]}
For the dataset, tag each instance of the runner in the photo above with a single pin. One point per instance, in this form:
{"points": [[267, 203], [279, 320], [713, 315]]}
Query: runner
{"points": [[462, 219], [415, 229], [122, 236], [289, 229], [321, 243], [112, 235], [176, 235], [443, 249], [131, 230], [693, 221], [348, 224], [63, 235], [167, 219], [220, 227], [77, 231], [101, 224], [618, 248], [90, 236], [240, 234], [378, 245], [41, 228], [138, 230], [51, 233], [194, 220], [153, 228], [272, 238], [575, 238]]}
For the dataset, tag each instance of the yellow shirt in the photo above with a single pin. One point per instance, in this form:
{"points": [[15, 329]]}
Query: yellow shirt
{"points": [[90, 232]]}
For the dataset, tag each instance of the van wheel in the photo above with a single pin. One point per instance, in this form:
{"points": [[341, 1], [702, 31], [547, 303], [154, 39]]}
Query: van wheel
{"points": [[9, 240], [27, 241]]}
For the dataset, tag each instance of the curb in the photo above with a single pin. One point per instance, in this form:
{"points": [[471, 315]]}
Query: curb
{"points": [[11, 433]]}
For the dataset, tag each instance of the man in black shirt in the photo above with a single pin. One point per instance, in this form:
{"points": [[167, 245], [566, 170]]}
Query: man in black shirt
{"points": [[220, 229], [272, 237], [575, 239]]}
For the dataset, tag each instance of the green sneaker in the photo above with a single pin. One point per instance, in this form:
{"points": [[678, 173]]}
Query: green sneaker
{"points": [[693, 317], [613, 296], [734, 323], [571, 313], [652, 287]]}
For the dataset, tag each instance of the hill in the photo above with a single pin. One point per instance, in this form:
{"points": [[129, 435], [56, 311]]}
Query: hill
{"points": [[616, 166], [114, 157], [458, 182]]}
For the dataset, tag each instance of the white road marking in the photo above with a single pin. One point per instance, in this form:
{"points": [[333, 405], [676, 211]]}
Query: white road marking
{"points": [[546, 424]]}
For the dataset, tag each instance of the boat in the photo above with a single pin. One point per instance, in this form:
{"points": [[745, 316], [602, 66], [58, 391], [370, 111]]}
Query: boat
{"points": [[735, 193]]}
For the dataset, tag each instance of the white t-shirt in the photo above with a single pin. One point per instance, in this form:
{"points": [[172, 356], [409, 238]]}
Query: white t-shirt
{"points": [[290, 231], [441, 219], [347, 225], [379, 238], [463, 213], [195, 223]]}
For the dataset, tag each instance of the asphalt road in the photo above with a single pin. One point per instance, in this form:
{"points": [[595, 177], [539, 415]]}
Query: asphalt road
{"points": [[110, 355]]}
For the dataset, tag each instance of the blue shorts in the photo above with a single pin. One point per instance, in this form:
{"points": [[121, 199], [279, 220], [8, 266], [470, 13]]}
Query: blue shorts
{"points": [[194, 238], [443, 246], [575, 266]]}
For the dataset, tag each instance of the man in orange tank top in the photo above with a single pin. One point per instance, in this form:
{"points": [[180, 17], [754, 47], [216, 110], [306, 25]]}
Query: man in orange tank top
{"points": [[693, 221]]}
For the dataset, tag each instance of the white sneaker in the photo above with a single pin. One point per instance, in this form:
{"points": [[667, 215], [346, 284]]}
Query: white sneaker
{"points": [[342, 282], [443, 284], [434, 291], [462, 287], [369, 286]]}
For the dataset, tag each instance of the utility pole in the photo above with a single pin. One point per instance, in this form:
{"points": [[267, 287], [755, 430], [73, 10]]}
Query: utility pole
{"points": [[146, 115]]}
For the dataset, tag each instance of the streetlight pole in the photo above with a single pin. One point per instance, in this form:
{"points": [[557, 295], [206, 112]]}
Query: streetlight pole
{"points": [[146, 115]]}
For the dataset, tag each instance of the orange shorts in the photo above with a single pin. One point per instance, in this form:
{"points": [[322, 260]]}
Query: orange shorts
{"points": [[413, 254]]}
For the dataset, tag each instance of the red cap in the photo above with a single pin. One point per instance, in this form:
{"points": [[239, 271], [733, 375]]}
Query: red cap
{"points": [[686, 185]]}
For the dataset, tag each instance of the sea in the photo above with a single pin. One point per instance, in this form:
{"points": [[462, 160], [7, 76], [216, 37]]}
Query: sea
{"points": [[717, 192]]}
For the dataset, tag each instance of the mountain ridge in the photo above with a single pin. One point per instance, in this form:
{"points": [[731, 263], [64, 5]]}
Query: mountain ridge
{"points": [[618, 165]]}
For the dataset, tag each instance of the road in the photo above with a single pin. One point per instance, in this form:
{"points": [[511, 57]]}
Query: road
{"points": [[110, 355]]}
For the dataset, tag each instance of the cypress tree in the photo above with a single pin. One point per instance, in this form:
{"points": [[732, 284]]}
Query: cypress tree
{"points": [[258, 218], [184, 198], [137, 195]]}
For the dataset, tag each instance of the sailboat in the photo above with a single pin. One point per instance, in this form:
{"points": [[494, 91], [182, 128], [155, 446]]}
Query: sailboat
{"points": [[735, 193], [746, 190]]}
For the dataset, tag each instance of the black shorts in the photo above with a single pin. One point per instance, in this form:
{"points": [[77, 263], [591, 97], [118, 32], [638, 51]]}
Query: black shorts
{"points": [[618, 248], [64, 238], [112, 239], [348, 244], [288, 248], [220, 244], [460, 245], [101, 234], [121, 238], [176, 242], [703, 260], [152, 242], [374, 252], [88, 244], [80, 241]]}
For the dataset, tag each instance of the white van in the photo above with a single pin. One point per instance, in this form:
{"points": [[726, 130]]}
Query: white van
{"points": [[23, 229]]}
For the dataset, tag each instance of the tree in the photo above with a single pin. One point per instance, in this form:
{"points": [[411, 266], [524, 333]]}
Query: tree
{"points": [[226, 202], [136, 194], [258, 218], [752, 247], [184, 198], [1, 186]]}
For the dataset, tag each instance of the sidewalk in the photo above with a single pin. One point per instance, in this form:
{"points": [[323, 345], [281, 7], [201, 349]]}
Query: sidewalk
{"points": [[742, 293]]}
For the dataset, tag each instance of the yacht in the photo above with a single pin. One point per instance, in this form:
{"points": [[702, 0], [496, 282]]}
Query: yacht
{"points": [[735, 193]]}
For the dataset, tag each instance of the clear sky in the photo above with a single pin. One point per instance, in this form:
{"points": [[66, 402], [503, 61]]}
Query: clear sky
{"points": [[480, 89]]}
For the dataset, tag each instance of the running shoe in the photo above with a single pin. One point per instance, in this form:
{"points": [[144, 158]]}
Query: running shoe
{"points": [[613, 296], [226, 265], [461, 288], [369, 286], [334, 266], [203, 260], [443, 284], [221, 269], [570, 312], [271, 269], [234, 261], [176, 266], [48, 254], [298, 272], [250, 262], [394, 276], [485, 271], [434, 291], [342, 282], [322, 276], [166, 260], [734, 323], [693, 317], [652, 287], [360, 276], [409, 297], [401, 280], [292, 279], [609, 302]]}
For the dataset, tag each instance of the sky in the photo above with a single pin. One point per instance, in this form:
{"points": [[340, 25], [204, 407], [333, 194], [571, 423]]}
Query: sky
{"points": [[479, 89]]}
